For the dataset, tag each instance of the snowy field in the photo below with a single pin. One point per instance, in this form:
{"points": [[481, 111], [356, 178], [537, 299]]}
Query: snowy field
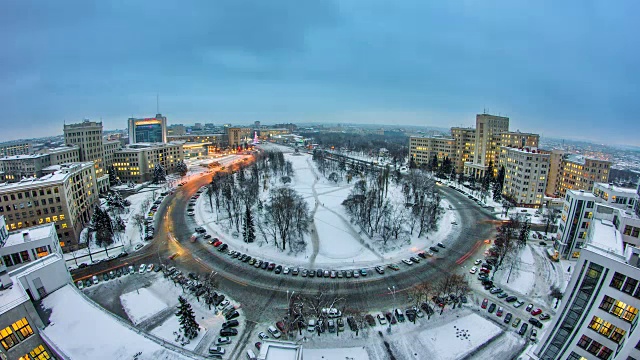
{"points": [[141, 305], [333, 241], [458, 338]]}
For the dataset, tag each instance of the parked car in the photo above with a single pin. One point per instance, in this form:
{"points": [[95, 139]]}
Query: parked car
{"points": [[311, 325], [510, 299], [544, 316], [363, 272], [535, 322], [492, 307], [441, 245], [477, 262], [143, 267], [536, 312], [414, 259], [230, 323], [518, 303], [381, 319], [216, 350], [150, 267], [473, 270], [534, 335], [369, 319], [502, 295], [80, 285], [528, 308], [496, 290], [399, 315], [434, 249], [484, 303], [278, 269], [523, 329], [394, 267], [319, 273], [232, 315], [507, 318], [223, 340], [380, 270], [274, 332], [228, 332], [500, 311], [516, 322], [263, 336]]}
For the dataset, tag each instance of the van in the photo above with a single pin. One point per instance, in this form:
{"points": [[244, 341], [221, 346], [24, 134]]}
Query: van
{"points": [[251, 355]]}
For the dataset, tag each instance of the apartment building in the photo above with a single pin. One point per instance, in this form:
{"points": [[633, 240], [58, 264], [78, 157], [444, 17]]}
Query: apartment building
{"points": [[575, 172], [575, 219], [109, 147], [513, 139], [66, 197], [135, 163], [423, 149], [620, 197], [465, 139], [526, 171], [485, 150], [63, 154], [599, 311], [12, 148]]}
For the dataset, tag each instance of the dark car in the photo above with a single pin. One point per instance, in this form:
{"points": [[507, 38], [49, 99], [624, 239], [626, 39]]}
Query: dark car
{"points": [[422, 254], [352, 323], [434, 249], [492, 307], [264, 265], [511, 299], [230, 323], [271, 266], [523, 329], [507, 318], [441, 245], [411, 314], [535, 322], [207, 236], [223, 247], [232, 315], [370, 320], [228, 332], [319, 273], [278, 269]]}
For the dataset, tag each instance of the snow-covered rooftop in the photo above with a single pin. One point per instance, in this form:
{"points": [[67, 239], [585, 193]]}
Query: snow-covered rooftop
{"points": [[23, 157], [53, 178], [13, 296], [631, 191], [73, 324], [35, 233], [605, 237]]}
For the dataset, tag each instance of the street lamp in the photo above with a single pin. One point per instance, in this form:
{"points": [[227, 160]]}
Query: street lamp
{"points": [[392, 290]]}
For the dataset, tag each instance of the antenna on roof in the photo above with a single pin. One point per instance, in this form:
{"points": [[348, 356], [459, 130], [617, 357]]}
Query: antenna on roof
{"points": [[157, 103]]}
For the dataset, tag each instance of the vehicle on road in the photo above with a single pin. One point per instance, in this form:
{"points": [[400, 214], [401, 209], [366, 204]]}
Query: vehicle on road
{"points": [[380, 270]]}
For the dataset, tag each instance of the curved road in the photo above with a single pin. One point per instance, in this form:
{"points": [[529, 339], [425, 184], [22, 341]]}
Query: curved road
{"points": [[263, 294]]}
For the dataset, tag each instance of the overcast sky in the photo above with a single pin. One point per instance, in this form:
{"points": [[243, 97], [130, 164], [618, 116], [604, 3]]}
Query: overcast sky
{"points": [[559, 68]]}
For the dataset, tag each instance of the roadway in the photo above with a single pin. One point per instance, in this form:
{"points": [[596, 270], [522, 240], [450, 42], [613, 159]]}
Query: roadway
{"points": [[262, 294]]}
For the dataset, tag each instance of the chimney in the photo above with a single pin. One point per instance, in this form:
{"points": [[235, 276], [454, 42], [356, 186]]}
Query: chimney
{"points": [[25, 236]]}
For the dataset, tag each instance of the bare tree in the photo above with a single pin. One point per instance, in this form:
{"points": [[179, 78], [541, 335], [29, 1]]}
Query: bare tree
{"points": [[551, 216]]}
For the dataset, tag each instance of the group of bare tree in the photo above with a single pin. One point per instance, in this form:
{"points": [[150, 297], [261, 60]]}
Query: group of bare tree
{"points": [[285, 219], [377, 215], [447, 291]]}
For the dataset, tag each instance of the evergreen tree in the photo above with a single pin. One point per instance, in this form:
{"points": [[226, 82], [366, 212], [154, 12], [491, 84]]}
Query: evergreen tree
{"points": [[249, 230], [159, 174], [433, 166], [187, 318], [103, 227], [412, 163], [113, 177], [181, 168], [497, 186]]}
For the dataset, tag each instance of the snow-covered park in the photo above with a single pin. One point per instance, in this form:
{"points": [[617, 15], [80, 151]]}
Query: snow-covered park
{"points": [[333, 238]]}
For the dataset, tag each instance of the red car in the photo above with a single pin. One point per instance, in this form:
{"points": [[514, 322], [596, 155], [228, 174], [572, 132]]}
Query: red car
{"points": [[280, 326], [536, 312], [484, 303], [173, 256], [258, 344], [217, 243]]}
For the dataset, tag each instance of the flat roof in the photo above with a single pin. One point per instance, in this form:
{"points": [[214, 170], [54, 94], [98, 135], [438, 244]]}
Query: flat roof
{"points": [[46, 179], [13, 296], [617, 188], [604, 236], [35, 233], [582, 193], [23, 157]]}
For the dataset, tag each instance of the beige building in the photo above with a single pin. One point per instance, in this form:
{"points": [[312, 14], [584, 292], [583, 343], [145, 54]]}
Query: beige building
{"points": [[109, 147], [575, 172], [423, 149], [63, 154], [526, 171], [12, 148], [135, 163], [465, 139], [65, 198], [238, 136], [87, 135], [17, 167], [485, 151]]}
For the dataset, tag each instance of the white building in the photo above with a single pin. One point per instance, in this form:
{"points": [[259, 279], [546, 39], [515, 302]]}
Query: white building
{"points": [[620, 197], [577, 213], [525, 176], [22, 247], [599, 310]]}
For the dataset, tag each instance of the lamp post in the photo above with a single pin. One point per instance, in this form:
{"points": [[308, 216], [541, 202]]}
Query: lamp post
{"points": [[392, 290]]}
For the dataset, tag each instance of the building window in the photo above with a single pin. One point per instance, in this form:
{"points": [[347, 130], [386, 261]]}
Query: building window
{"points": [[584, 342], [618, 308], [22, 328], [617, 335], [39, 353], [617, 280], [24, 255], [7, 338], [596, 323], [594, 347], [607, 303], [630, 313], [606, 329], [605, 353]]}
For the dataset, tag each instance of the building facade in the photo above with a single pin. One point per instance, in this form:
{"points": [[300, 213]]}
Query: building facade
{"points": [[424, 149], [21, 247], [575, 172], [135, 163], [148, 130], [18, 167], [12, 148], [525, 178], [599, 310], [63, 154], [465, 139], [109, 147], [575, 219], [65, 198], [620, 197], [237, 136], [485, 150]]}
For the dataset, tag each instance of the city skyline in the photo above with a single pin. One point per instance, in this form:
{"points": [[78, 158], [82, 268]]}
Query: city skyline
{"points": [[548, 67]]}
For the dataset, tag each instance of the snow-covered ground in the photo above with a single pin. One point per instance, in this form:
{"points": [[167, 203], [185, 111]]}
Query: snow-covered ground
{"points": [[141, 305], [334, 241], [73, 325]]}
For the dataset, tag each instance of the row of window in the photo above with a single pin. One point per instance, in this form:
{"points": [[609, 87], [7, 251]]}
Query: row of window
{"points": [[594, 347], [618, 308], [38, 353], [631, 231], [627, 285], [20, 206], [14, 334], [32, 193], [607, 329]]}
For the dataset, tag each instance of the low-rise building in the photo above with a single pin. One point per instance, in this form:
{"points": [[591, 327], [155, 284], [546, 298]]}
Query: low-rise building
{"points": [[63, 154], [18, 167], [599, 310], [18, 147], [135, 163], [65, 198], [525, 178], [22, 247], [620, 197]]}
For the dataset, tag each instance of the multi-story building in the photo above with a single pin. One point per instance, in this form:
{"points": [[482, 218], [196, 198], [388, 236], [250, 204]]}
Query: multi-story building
{"points": [[424, 149], [485, 151], [576, 217], [109, 147], [218, 140], [18, 167], [620, 197], [525, 177], [237, 136], [465, 139], [176, 129], [148, 130], [575, 172], [21, 247], [267, 133], [555, 169], [12, 148], [88, 136], [599, 312], [65, 198], [135, 163], [63, 154], [516, 139]]}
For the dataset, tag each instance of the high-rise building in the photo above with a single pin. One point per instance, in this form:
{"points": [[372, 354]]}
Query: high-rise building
{"points": [[599, 311], [485, 151], [65, 197], [424, 149], [109, 147], [525, 177], [237, 136], [555, 171], [148, 130], [88, 136], [575, 172], [465, 146], [575, 219]]}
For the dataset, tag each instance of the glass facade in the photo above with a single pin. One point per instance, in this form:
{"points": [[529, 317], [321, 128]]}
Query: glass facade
{"points": [[149, 133], [569, 322]]}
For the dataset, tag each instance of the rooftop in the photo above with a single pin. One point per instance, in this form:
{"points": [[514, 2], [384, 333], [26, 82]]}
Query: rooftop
{"points": [[35, 233], [54, 178], [23, 157], [605, 237], [61, 149], [13, 296], [530, 150], [585, 194], [611, 187]]}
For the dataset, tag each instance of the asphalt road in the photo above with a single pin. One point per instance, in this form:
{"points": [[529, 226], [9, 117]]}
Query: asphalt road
{"points": [[263, 294]]}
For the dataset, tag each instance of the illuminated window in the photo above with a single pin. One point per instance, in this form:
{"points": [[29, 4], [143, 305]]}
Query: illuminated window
{"points": [[596, 323], [39, 353], [7, 338]]}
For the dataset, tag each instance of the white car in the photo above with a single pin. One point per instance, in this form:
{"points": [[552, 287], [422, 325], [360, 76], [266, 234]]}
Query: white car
{"points": [[150, 268], [95, 279], [143, 267], [275, 332], [80, 285], [262, 336], [223, 304], [473, 270], [477, 262], [286, 270], [407, 261], [191, 213]]}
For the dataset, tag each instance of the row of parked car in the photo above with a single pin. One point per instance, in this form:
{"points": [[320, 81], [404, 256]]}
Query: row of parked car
{"points": [[110, 275]]}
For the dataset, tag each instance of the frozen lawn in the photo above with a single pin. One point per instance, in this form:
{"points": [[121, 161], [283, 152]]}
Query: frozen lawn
{"points": [[353, 353], [459, 337], [141, 305], [523, 274]]}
